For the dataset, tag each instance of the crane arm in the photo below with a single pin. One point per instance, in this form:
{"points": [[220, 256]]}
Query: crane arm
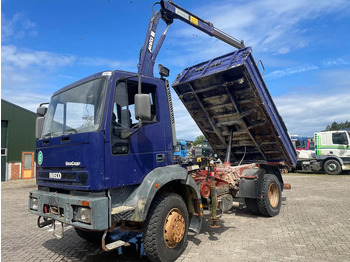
{"points": [[168, 12]]}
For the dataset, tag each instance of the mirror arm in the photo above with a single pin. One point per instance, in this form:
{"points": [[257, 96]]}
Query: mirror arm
{"points": [[126, 133]]}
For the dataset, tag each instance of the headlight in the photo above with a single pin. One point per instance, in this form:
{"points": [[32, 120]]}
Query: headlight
{"points": [[34, 203], [84, 215]]}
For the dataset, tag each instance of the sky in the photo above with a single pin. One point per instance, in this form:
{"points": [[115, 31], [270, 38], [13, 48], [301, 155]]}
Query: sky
{"points": [[304, 46]]}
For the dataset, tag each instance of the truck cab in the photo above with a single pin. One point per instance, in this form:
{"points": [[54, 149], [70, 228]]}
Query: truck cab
{"points": [[98, 110], [105, 158], [333, 149], [331, 153]]}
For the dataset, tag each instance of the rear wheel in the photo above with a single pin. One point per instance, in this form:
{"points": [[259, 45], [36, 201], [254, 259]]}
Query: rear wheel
{"points": [[166, 227], [332, 167], [269, 203]]}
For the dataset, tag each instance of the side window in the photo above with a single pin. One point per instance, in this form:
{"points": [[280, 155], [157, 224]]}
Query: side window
{"points": [[123, 115], [58, 118], [339, 138], [146, 89], [120, 120]]}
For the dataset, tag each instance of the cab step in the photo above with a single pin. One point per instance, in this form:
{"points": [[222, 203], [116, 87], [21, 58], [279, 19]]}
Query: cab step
{"points": [[111, 246]]}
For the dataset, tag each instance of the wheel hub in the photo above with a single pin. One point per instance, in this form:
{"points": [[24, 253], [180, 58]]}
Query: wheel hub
{"points": [[205, 190], [273, 195], [174, 228], [332, 167]]}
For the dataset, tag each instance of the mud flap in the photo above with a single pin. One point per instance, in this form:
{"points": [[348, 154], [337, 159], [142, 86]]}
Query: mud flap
{"points": [[195, 224]]}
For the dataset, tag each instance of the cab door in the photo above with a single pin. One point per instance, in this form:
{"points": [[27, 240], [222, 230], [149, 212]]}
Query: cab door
{"points": [[340, 144], [130, 158]]}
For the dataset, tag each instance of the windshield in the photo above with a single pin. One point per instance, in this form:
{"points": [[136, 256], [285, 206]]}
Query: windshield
{"points": [[205, 144], [77, 110]]}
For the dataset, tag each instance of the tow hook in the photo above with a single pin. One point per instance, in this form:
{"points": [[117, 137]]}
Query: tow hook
{"points": [[45, 223]]}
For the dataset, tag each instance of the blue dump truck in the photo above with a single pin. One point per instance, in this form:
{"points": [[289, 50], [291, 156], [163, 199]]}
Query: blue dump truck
{"points": [[105, 147]]}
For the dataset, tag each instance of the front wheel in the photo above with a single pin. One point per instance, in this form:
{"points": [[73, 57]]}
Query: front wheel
{"points": [[166, 228], [269, 203], [332, 167]]}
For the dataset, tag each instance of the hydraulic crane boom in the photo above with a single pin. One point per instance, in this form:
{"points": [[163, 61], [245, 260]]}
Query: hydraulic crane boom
{"points": [[168, 12]]}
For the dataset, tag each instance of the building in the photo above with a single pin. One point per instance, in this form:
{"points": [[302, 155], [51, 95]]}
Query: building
{"points": [[17, 142]]}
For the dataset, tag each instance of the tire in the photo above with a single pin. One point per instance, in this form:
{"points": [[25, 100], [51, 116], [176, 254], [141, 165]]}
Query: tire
{"points": [[161, 243], [252, 205], [332, 167], [94, 237], [269, 203]]}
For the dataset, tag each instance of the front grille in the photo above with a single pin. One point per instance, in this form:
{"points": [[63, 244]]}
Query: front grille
{"points": [[62, 177], [65, 176]]}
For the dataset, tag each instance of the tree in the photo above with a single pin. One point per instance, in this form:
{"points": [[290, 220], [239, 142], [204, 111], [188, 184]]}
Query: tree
{"points": [[199, 140], [336, 126]]}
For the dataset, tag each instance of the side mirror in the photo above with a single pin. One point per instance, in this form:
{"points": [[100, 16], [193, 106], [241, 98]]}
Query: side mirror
{"points": [[41, 111], [142, 113], [142, 107], [39, 123]]}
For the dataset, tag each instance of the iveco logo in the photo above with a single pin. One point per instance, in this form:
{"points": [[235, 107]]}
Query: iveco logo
{"points": [[55, 175]]}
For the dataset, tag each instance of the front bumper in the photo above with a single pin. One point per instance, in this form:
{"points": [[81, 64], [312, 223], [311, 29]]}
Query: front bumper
{"points": [[64, 208]]}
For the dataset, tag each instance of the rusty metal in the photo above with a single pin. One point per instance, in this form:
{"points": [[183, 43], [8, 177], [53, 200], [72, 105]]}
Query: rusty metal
{"points": [[214, 199], [205, 189], [287, 186], [174, 228], [214, 223]]}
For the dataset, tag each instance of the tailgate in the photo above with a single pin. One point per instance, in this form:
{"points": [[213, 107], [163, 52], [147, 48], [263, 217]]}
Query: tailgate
{"points": [[228, 94]]}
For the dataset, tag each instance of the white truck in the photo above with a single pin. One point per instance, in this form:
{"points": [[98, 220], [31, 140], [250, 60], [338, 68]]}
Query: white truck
{"points": [[331, 154]]}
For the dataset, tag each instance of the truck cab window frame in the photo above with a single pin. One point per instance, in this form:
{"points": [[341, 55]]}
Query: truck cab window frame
{"points": [[340, 138], [123, 113]]}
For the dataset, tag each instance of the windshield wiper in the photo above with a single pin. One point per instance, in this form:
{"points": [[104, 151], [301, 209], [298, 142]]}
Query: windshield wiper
{"points": [[70, 131], [47, 135]]}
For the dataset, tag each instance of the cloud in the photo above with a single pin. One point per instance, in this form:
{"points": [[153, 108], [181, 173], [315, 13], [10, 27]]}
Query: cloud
{"points": [[105, 62], [17, 27], [335, 62], [306, 114], [26, 99], [29, 77], [271, 26], [12, 56], [290, 71]]}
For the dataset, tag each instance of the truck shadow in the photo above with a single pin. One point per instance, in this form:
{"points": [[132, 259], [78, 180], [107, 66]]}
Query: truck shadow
{"points": [[213, 234], [72, 248]]}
